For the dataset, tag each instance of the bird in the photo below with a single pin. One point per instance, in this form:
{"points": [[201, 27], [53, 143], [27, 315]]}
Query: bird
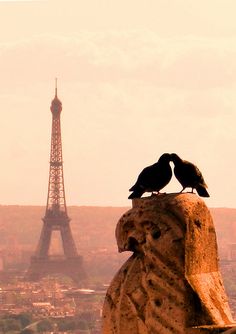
{"points": [[153, 178], [189, 175]]}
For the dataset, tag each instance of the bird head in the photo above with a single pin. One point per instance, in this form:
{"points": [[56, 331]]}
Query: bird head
{"points": [[165, 157], [175, 158]]}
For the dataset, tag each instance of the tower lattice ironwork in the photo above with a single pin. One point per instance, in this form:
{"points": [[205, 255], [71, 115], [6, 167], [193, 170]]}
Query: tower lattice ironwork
{"points": [[56, 217]]}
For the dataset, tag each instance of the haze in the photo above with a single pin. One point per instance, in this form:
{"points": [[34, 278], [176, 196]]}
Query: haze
{"points": [[136, 79]]}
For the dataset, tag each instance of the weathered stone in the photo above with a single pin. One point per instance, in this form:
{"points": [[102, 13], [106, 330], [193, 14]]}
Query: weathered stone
{"points": [[171, 284]]}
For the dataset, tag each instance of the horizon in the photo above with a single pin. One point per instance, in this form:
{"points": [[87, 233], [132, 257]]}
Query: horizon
{"points": [[106, 206], [135, 79]]}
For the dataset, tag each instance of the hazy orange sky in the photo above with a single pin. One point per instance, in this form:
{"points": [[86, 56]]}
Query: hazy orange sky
{"points": [[136, 79]]}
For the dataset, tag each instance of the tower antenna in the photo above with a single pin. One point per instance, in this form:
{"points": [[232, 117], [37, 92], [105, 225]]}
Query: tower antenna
{"points": [[55, 87]]}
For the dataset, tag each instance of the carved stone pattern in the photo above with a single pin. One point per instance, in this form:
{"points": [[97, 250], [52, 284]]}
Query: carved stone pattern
{"points": [[171, 283]]}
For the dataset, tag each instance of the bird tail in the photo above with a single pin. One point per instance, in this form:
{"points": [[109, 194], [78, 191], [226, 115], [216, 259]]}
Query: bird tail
{"points": [[136, 194], [133, 188], [201, 190]]}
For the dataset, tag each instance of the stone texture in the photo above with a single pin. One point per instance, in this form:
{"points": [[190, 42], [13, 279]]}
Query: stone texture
{"points": [[171, 284]]}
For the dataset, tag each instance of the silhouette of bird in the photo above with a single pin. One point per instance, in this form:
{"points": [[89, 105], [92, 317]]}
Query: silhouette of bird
{"points": [[153, 178], [189, 175]]}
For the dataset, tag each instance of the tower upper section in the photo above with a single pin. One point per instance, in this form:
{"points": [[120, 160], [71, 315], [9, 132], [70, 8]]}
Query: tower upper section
{"points": [[56, 203], [56, 105]]}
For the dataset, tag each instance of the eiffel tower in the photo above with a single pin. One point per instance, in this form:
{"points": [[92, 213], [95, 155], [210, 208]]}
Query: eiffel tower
{"points": [[56, 217]]}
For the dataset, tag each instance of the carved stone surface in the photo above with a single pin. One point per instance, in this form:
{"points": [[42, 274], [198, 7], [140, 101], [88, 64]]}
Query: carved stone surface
{"points": [[172, 282]]}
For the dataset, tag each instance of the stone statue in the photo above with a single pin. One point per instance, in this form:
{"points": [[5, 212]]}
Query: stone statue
{"points": [[171, 284]]}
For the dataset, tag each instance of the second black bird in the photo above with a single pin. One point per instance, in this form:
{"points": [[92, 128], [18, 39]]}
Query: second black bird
{"points": [[189, 175], [153, 178]]}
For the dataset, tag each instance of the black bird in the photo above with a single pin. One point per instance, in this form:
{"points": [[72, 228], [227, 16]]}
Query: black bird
{"points": [[189, 175], [153, 178]]}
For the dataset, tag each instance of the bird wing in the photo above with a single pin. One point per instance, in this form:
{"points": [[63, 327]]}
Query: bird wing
{"points": [[199, 177], [195, 173], [144, 179]]}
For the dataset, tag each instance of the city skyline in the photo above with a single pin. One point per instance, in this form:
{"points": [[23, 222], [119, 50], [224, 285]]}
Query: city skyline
{"points": [[136, 79]]}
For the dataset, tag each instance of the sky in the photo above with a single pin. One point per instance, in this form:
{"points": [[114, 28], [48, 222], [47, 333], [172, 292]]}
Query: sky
{"points": [[136, 79]]}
